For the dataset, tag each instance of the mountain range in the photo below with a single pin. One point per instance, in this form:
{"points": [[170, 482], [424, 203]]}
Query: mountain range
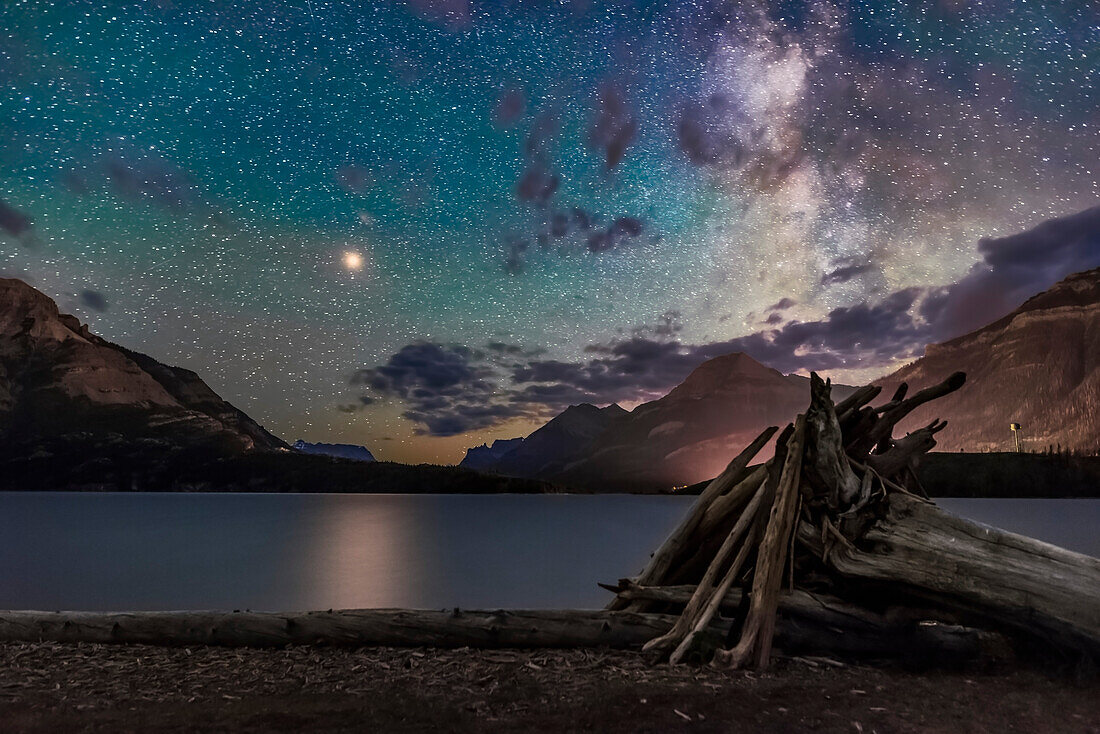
{"points": [[684, 437], [80, 413], [120, 419], [1038, 367]]}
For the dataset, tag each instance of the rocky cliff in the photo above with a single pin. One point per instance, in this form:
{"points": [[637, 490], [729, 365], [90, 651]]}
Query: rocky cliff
{"points": [[1039, 366], [60, 382]]}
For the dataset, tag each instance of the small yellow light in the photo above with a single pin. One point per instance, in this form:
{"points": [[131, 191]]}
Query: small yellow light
{"points": [[353, 260]]}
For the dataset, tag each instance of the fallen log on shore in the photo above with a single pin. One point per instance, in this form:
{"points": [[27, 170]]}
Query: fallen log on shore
{"points": [[350, 627], [851, 633], [977, 571], [838, 516]]}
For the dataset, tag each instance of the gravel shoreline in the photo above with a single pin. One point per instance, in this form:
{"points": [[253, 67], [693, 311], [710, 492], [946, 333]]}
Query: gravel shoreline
{"points": [[47, 687]]}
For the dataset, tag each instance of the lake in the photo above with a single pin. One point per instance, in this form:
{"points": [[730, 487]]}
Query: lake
{"points": [[279, 552]]}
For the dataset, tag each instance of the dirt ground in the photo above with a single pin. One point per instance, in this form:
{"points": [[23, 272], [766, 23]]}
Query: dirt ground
{"points": [[52, 687]]}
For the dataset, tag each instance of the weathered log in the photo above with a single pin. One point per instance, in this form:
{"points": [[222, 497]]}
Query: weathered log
{"points": [[723, 508], [826, 471], [674, 546], [873, 540], [723, 514], [906, 452], [899, 393], [693, 614], [759, 628], [857, 400], [718, 593], [366, 627], [1019, 583], [855, 425], [891, 413], [815, 623]]}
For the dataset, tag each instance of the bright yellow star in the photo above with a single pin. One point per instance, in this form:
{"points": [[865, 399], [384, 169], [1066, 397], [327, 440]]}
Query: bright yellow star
{"points": [[353, 260]]}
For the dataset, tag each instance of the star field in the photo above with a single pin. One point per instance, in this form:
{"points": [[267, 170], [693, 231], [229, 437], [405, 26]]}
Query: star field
{"points": [[334, 211]]}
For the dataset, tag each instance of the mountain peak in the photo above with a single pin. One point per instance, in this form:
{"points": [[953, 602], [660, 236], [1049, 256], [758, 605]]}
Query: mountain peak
{"points": [[588, 409], [724, 372]]}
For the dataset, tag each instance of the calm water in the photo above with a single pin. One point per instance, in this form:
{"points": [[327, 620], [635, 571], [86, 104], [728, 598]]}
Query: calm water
{"points": [[296, 552]]}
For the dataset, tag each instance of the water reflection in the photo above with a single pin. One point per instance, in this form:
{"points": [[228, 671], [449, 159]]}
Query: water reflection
{"points": [[360, 554], [295, 552]]}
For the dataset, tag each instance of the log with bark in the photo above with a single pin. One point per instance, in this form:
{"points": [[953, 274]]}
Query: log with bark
{"points": [[838, 514], [358, 627], [851, 632]]}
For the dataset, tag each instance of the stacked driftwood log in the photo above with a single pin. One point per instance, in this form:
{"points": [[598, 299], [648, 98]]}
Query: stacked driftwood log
{"points": [[833, 539]]}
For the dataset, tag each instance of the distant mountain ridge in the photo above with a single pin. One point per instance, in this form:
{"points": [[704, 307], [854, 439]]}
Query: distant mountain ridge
{"points": [[1039, 366], [485, 456], [686, 436], [692, 432], [558, 442], [60, 381], [339, 450]]}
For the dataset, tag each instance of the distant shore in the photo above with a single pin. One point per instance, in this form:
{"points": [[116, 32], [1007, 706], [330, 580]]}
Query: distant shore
{"points": [[130, 467]]}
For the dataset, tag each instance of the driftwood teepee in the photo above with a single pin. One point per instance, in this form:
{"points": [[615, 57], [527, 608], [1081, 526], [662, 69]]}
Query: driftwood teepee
{"points": [[834, 537]]}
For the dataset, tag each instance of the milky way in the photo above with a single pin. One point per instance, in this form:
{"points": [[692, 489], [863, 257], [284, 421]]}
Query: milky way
{"points": [[420, 225]]}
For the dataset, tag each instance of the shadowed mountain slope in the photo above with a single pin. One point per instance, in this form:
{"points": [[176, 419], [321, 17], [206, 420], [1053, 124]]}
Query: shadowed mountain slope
{"points": [[57, 378], [1039, 366]]}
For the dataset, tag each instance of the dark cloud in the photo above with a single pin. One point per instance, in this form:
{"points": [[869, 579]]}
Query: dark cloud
{"points": [[503, 349], [1013, 269], [14, 222], [636, 367], [94, 300], [446, 389], [515, 250], [564, 223], [573, 228], [669, 324], [450, 390], [622, 231], [138, 177], [866, 334], [538, 184], [704, 135], [782, 304], [539, 181], [845, 273], [614, 126], [354, 179], [509, 107], [542, 134]]}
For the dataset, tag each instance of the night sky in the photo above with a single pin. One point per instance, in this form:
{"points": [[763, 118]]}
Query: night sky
{"points": [[422, 225]]}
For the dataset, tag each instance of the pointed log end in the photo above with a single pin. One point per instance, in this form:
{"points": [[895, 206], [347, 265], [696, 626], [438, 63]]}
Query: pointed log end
{"points": [[820, 390], [956, 380]]}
